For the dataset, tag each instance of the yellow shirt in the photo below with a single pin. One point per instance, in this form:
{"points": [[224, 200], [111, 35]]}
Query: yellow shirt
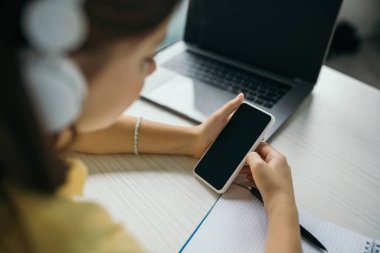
{"points": [[59, 224]]}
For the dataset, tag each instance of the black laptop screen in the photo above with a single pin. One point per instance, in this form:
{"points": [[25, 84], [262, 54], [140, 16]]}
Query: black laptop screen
{"points": [[289, 37]]}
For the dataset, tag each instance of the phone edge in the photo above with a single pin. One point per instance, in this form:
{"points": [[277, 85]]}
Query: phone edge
{"points": [[254, 146]]}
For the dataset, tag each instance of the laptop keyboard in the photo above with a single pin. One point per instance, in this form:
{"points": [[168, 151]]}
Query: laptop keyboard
{"points": [[258, 89]]}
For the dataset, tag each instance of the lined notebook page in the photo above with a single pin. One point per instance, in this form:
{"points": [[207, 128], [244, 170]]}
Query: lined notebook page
{"points": [[238, 223]]}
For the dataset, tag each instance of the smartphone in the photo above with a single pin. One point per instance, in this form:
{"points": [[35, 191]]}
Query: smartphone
{"points": [[223, 160]]}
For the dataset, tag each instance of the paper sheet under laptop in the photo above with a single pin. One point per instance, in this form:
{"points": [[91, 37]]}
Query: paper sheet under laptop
{"points": [[238, 223]]}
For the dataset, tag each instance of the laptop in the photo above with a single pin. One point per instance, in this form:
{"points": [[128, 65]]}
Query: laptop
{"points": [[270, 50]]}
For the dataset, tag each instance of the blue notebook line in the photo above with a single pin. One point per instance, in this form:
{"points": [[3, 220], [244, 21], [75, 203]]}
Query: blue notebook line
{"points": [[199, 225], [237, 222]]}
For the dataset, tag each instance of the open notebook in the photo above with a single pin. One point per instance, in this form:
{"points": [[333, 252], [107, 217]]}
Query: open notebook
{"points": [[238, 223]]}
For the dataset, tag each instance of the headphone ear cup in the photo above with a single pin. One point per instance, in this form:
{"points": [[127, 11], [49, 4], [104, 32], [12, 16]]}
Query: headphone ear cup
{"points": [[57, 88]]}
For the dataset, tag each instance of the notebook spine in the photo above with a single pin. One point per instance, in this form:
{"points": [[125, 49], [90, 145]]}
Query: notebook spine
{"points": [[376, 246], [368, 247]]}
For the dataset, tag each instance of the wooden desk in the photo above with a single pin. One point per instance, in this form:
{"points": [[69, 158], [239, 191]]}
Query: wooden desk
{"points": [[332, 143]]}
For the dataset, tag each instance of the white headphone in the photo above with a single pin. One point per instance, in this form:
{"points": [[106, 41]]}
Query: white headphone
{"points": [[55, 83]]}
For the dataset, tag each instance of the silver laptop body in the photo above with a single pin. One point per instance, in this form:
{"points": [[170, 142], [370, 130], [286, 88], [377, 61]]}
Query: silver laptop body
{"points": [[226, 50]]}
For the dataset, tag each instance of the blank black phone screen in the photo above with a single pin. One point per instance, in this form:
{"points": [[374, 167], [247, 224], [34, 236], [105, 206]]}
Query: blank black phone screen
{"points": [[231, 146]]}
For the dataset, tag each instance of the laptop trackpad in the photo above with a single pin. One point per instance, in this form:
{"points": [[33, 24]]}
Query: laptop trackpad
{"points": [[190, 97]]}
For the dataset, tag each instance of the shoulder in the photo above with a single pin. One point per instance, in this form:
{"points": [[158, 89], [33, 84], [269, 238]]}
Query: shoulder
{"points": [[60, 225], [76, 178]]}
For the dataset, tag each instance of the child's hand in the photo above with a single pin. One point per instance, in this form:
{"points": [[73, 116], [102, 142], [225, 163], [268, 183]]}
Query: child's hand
{"points": [[272, 176], [207, 132]]}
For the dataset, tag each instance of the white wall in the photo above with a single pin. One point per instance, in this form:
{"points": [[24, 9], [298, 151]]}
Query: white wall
{"points": [[365, 14], [177, 24]]}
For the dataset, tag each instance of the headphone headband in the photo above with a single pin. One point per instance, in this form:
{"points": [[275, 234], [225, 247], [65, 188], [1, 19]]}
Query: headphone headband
{"points": [[55, 26]]}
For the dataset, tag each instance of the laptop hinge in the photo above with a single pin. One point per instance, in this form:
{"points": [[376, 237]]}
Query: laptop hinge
{"points": [[301, 81]]}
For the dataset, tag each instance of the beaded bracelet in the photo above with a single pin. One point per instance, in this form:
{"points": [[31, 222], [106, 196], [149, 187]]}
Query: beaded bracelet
{"points": [[136, 136]]}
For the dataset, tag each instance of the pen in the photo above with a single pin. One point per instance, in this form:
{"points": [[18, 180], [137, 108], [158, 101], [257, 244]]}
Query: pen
{"points": [[304, 233]]}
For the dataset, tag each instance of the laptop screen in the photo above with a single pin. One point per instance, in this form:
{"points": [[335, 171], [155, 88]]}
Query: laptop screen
{"points": [[289, 38]]}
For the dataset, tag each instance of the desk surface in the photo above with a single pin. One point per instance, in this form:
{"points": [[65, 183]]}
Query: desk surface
{"points": [[332, 143]]}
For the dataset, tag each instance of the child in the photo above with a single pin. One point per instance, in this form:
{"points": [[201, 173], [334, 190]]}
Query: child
{"points": [[104, 71]]}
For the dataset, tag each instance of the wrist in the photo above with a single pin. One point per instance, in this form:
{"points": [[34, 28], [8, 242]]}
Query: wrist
{"points": [[197, 144], [281, 204], [190, 138]]}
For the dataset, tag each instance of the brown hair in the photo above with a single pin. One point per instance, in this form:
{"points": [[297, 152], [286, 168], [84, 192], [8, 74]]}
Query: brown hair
{"points": [[28, 158], [114, 20]]}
